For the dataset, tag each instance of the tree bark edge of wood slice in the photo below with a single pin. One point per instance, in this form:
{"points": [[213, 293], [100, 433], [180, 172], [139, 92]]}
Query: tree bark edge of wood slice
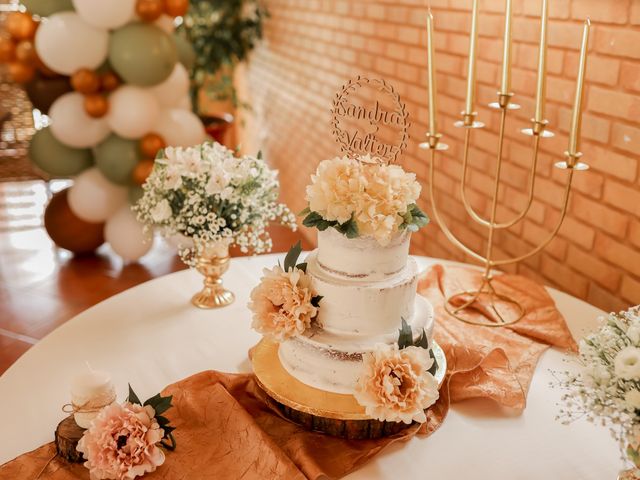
{"points": [[349, 429], [67, 436]]}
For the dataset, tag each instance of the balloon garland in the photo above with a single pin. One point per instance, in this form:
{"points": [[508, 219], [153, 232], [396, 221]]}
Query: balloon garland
{"points": [[114, 81]]}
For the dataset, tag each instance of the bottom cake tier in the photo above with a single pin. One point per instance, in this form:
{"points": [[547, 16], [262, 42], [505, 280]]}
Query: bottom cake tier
{"points": [[333, 413], [333, 362]]}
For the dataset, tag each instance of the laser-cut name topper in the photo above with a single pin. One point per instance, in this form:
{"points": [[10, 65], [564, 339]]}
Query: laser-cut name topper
{"points": [[356, 122]]}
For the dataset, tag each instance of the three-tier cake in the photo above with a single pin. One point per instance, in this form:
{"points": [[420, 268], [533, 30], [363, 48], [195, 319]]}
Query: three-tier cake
{"points": [[345, 327]]}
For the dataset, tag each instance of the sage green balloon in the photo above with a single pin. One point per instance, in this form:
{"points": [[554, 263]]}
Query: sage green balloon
{"points": [[55, 158], [116, 157], [135, 194], [186, 53], [44, 8], [142, 54]]}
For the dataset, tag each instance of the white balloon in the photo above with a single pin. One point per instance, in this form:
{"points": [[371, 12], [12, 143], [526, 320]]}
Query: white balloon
{"points": [[71, 125], [170, 92], [66, 43], [126, 235], [133, 111], [180, 128], [93, 198], [105, 14], [185, 103], [166, 23]]}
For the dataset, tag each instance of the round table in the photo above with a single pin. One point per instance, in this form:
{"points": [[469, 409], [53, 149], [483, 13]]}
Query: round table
{"points": [[151, 336]]}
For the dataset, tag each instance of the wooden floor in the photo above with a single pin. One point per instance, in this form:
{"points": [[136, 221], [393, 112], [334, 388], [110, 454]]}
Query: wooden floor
{"points": [[41, 286]]}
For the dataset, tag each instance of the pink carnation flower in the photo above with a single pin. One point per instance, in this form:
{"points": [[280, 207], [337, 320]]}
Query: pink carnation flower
{"points": [[121, 443]]}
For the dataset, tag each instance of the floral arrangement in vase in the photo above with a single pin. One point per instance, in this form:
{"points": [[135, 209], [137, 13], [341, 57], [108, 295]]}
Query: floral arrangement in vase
{"points": [[363, 197], [211, 199], [607, 387]]}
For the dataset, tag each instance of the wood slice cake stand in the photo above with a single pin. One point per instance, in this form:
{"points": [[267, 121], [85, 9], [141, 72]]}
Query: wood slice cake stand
{"points": [[336, 414]]}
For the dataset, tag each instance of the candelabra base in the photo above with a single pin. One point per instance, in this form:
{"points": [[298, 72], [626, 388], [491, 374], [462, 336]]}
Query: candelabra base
{"points": [[496, 310]]}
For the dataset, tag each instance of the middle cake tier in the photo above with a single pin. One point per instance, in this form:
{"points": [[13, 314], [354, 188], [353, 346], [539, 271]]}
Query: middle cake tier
{"points": [[351, 306]]}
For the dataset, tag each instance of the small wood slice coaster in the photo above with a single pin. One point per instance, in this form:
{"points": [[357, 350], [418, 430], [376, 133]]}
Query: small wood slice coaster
{"points": [[349, 429], [68, 434]]}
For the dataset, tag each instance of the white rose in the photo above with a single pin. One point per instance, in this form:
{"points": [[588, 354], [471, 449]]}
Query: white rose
{"points": [[634, 334], [632, 399], [627, 363], [161, 212]]}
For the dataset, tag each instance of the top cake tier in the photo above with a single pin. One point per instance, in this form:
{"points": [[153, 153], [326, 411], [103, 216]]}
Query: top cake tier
{"points": [[362, 258]]}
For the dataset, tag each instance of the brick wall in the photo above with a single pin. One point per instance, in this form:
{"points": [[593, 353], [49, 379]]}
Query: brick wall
{"points": [[313, 46]]}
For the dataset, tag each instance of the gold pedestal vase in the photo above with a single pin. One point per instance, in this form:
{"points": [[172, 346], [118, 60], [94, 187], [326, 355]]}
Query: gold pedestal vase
{"points": [[212, 261]]}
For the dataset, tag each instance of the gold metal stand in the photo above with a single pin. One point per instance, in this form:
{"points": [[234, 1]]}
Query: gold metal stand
{"points": [[507, 310], [212, 265]]}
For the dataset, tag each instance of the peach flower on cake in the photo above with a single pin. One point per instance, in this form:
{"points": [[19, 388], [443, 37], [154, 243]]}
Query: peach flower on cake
{"points": [[336, 189], [282, 303], [395, 385], [122, 443]]}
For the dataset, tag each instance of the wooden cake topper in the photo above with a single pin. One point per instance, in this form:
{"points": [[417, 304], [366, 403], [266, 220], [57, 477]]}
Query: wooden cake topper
{"points": [[368, 118]]}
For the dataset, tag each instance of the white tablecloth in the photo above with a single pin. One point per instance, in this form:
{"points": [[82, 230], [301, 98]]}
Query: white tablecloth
{"points": [[151, 336]]}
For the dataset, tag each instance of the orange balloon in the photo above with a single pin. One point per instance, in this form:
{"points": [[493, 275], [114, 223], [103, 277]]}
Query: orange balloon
{"points": [[21, 72], [149, 10], [26, 52], [150, 144], [85, 81], [142, 171], [96, 105], [7, 50], [21, 25], [109, 81], [67, 230], [176, 8]]}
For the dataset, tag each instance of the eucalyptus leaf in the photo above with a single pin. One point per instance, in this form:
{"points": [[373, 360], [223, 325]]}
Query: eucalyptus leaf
{"points": [[133, 398], [292, 256], [405, 335]]}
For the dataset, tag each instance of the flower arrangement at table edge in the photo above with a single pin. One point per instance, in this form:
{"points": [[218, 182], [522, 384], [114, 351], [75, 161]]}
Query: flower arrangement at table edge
{"points": [[126, 440], [607, 387], [363, 197], [208, 195]]}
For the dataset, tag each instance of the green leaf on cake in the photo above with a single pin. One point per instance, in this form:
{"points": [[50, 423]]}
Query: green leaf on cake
{"points": [[306, 211], [434, 366], [348, 228], [315, 301], [133, 398], [405, 336], [302, 266], [292, 256], [423, 341], [159, 403], [312, 219], [414, 218]]}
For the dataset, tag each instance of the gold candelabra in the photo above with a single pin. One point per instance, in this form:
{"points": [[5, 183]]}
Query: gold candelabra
{"points": [[460, 303]]}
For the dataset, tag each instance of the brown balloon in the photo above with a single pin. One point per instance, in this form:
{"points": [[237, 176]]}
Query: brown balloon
{"points": [[150, 144], [142, 171], [7, 50], [85, 81], [21, 72], [96, 105], [149, 10], [26, 52], [176, 8], [21, 25], [109, 81], [43, 91], [67, 230]]}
